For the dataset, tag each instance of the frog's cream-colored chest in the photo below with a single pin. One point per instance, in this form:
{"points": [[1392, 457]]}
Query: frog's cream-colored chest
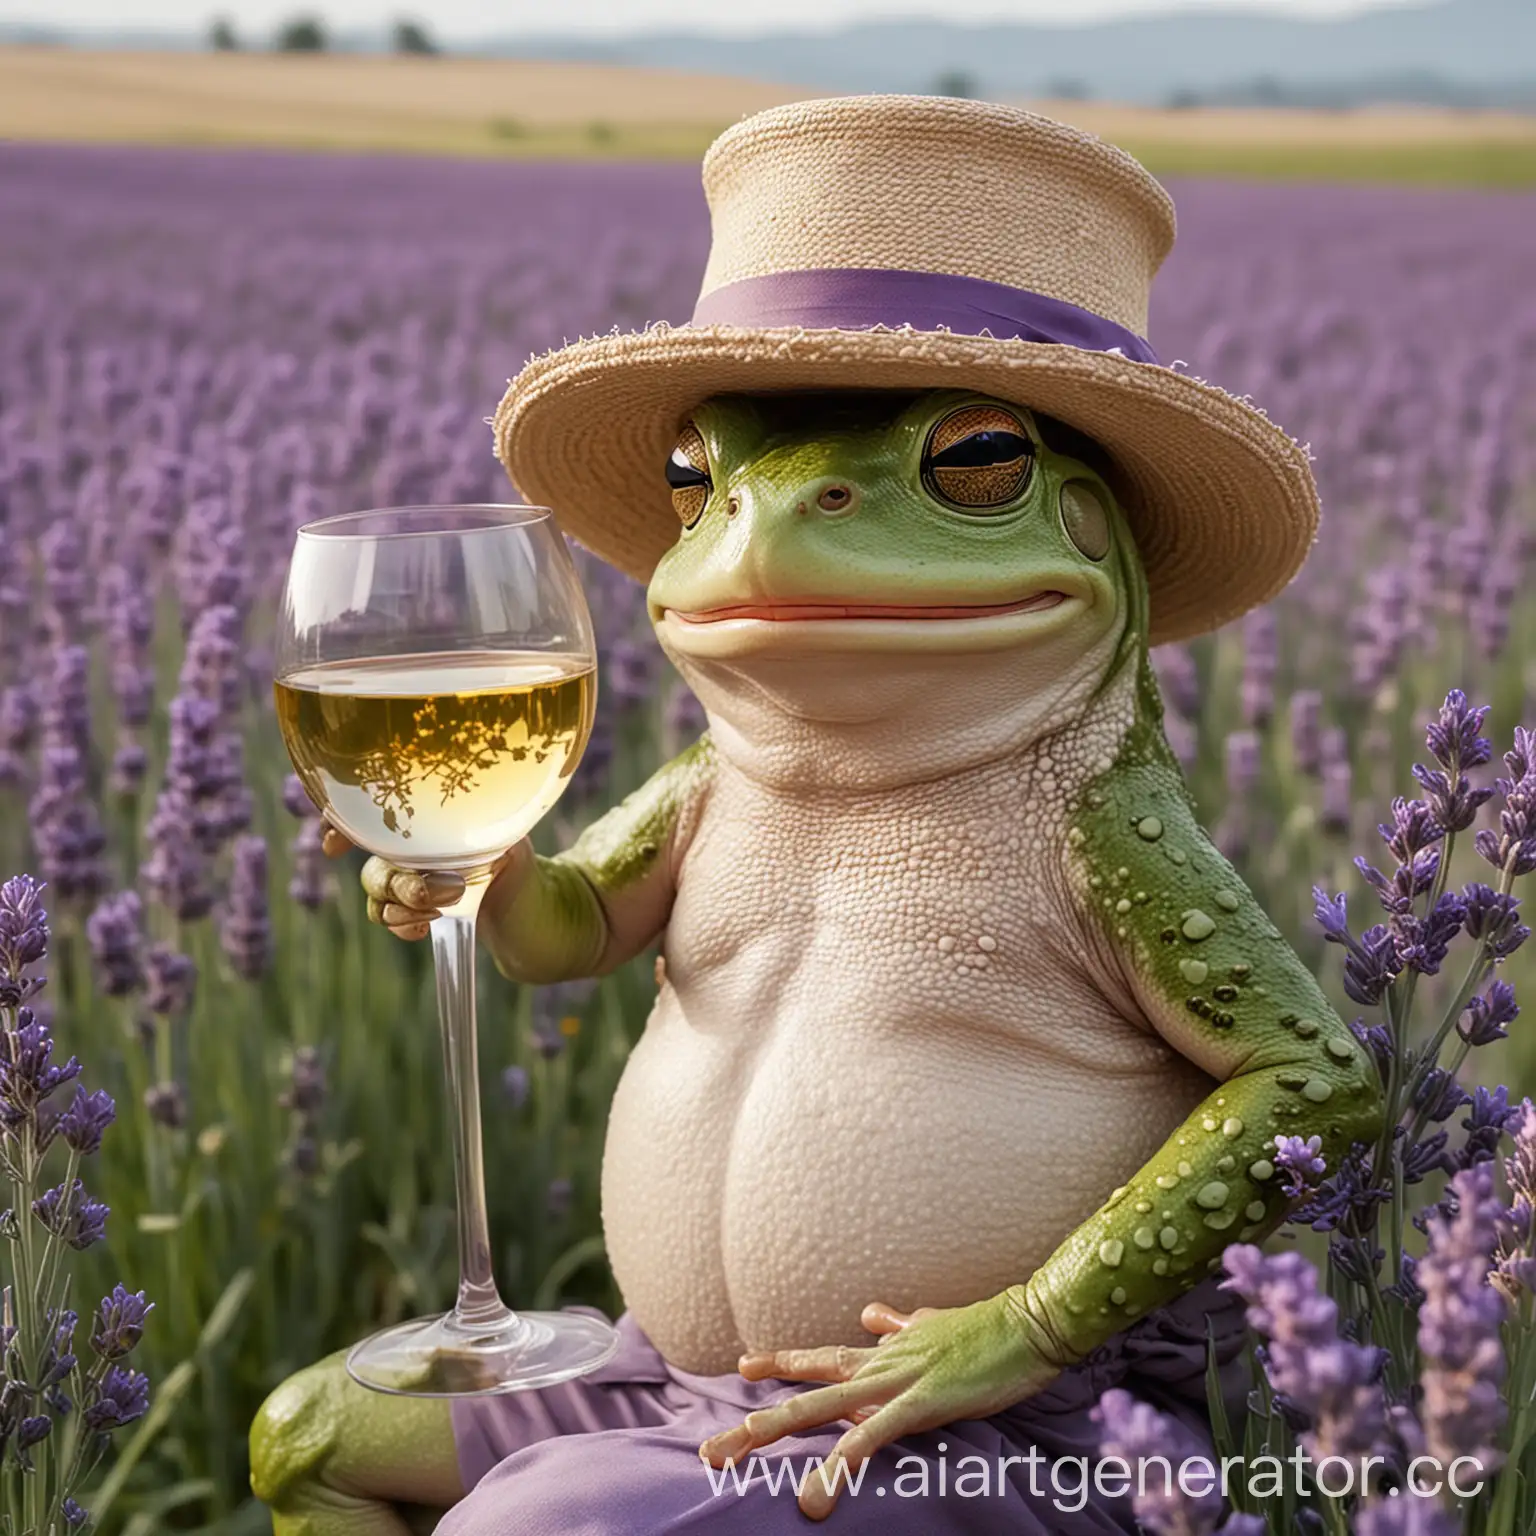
{"points": [[887, 1061]]}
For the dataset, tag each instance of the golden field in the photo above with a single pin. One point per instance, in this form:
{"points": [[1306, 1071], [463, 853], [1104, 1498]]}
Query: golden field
{"points": [[474, 106]]}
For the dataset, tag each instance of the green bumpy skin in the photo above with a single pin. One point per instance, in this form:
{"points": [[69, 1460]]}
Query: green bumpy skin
{"points": [[1225, 990], [561, 921]]}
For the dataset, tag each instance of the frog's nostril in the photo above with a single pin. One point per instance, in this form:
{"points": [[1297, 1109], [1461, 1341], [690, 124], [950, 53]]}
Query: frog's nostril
{"points": [[732, 506], [835, 498]]}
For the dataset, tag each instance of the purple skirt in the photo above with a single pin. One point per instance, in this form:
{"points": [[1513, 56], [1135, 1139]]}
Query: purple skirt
{"points": [[616, 1453]]}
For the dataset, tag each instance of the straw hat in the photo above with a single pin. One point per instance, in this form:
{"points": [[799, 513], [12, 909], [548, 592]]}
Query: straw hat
{"points": [[913, 242]]}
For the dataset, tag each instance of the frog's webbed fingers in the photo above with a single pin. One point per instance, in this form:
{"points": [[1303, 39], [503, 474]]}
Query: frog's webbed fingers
{"points": [[805, 1410], [333, 843], [406, 900], [835, 1362]]}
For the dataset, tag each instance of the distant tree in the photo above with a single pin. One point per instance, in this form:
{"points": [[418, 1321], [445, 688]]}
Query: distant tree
{"points": [[412, 37], [222, 36], [1184, 100], [955, 82], [302, 34]]}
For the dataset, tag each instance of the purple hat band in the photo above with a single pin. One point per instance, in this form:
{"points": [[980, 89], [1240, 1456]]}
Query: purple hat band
{"points": [[857, 298]]}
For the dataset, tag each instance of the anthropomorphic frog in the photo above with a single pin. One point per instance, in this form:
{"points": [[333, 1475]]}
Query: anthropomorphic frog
{"points": [[969, 1052]]}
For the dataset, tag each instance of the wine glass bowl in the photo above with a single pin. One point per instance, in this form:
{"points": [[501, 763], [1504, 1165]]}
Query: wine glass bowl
{"points": [[435, 686]]}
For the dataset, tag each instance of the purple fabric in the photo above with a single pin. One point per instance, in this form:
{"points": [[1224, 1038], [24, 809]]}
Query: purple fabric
{"points": [[616, 1453], [855, 298]]}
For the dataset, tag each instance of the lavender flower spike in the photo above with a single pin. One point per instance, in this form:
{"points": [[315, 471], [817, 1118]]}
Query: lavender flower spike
{"points": [[1136, 1434], [120, 1322], [1460, 1326]]}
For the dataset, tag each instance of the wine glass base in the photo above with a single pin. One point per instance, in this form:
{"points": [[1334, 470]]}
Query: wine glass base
{"points": [[443, 1357]]}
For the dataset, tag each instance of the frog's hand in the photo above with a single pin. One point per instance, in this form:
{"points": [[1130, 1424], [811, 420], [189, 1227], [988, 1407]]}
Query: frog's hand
{"points": [[602, 901], [1215, 978]]}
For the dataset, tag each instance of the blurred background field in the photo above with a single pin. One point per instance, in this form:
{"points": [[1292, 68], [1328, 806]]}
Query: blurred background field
{"points": [[207, 338], [530, 108]]}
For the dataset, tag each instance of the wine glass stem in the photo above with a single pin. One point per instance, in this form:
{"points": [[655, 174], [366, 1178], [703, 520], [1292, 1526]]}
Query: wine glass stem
{"points": [[479, 1303]]}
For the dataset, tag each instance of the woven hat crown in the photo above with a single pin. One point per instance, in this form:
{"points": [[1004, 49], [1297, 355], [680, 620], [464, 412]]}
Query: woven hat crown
{"points": [[934, 184]]}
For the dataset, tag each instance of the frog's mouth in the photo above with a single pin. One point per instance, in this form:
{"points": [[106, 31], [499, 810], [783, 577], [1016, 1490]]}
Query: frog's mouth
{"points": [[784, 611]]}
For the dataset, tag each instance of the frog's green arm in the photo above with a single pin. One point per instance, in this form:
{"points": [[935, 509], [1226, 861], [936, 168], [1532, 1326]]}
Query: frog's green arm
{"points": [[1219, 983], [606, 897]]}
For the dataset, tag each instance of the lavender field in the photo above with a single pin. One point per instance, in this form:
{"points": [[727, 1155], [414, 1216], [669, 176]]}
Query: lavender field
{"points": [[198, 352]]}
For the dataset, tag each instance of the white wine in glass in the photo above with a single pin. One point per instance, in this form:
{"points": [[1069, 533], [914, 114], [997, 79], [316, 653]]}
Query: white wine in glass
{"points": [[435, 688]]}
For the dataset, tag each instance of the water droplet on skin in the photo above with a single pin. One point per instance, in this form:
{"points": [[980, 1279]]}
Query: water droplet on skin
{"points": [[1340, 1050], [1122, 874], [1117, 1296], [1175, 855], [1111, 1253], [1292, 1080], [1160, 1266], [1212, 1196], [1240, 972], [1219, 1221], [1169, 1238], [1226, 1164], [1261, 1171], [1149, 829], [1207, 1124], [1144, 1237], [1194, 971], [1116, 1195], [1142, 1207], [1228, 901], [1231, 1127], [1186, 1171], [1306, 1028], [1167, 1181], [1197, 925], [1123, 906], [1317, 1090], [1255, 1211], [1095, 881]]}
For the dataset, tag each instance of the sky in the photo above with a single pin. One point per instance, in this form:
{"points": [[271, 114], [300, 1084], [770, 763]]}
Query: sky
{"points": [[478, 18]]}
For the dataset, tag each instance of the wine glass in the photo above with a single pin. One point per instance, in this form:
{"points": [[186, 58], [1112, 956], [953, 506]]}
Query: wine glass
{"points": [[436, 677]]}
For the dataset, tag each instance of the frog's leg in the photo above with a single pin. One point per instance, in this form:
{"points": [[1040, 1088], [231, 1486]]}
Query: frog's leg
{"points": [[331, 1458]]}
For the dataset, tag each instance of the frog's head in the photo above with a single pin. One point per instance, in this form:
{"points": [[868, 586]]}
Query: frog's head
{"points": [[845, 555]]}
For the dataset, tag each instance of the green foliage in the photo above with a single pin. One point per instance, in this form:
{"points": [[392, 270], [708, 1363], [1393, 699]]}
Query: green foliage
{"points": [[412, 37], [302, 34], [222, 37]]}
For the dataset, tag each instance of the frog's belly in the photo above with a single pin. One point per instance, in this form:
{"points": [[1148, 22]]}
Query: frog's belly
{"points": [[762, 1197]]}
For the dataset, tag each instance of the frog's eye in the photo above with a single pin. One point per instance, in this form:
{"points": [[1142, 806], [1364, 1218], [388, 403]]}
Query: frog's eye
{"points": [[688, 475], [978, 456]]}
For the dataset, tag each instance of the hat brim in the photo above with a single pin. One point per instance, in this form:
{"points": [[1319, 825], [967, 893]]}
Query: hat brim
{"points": [[1221, 502]]}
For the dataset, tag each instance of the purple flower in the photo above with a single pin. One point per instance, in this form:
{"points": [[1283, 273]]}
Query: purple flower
{"points": [[28, 1073], [74, 1516], [122, 1397], [1371, 966], [514, 1086], [167, 1105], [296, 799], [1337, 1384], [1438, 1095], [1301, 1159], [1493, 917], [1513, 847], [171, 980], [1452, 736], [115, 932], [66, 829], [1422, 944], [1412, 829], [70, 1214], [119, 1323], [245, 930], [23, 937], [1343, 1200], [1490, 1118], [1487, 1017], [1307, 730], [84, 1123], [1463, 1408], [1136, 1434], [311, 884]]}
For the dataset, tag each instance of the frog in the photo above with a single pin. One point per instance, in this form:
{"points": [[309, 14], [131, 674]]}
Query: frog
{"points": [[969, 1048]]}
